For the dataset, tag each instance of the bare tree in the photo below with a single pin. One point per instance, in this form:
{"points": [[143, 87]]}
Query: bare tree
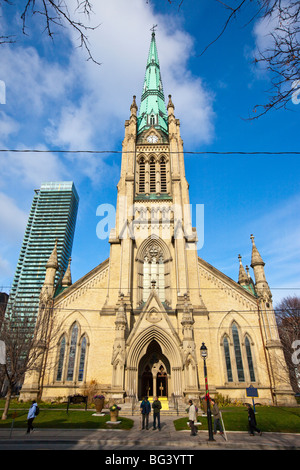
{"points": [[26, 347], [282, 55], [288, 321], [55, 13]]}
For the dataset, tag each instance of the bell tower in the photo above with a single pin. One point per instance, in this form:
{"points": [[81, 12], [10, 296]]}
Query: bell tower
{"points": [[153, 245]]}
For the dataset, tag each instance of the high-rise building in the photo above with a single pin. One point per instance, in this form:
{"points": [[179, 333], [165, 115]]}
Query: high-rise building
{"points": [[51, 223]]}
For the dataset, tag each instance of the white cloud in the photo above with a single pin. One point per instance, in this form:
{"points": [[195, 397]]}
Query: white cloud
{"points": [[277, 239], [121, 44], [30, 169], [77, 104], [8, 126], [31, 81], [5, 268]]}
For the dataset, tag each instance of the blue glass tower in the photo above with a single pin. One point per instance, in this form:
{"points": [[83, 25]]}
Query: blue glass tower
{"points": [[52, 217]]}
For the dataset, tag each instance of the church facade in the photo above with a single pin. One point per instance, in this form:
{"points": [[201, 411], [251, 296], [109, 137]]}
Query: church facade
{"points": [[136, 322]]}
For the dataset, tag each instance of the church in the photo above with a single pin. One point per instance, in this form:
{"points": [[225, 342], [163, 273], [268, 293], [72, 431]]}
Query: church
{"points": [[135, 323]]}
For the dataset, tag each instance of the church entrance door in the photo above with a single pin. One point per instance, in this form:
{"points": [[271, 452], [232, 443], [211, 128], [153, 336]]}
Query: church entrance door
{"points": [[162, 383], [154, 373], [147, 383]]}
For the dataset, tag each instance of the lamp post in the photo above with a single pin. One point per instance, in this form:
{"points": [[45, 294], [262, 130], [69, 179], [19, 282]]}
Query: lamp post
{"points": [[203, 351]]}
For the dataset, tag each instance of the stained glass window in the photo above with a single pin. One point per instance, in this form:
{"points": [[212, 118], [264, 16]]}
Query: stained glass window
{"points": [[249, 359], [72, 353], [61, 358], [238, 353], [227, 360], [82, 360]]}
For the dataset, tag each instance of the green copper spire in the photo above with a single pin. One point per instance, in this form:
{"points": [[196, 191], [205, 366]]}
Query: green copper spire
{"points": [[152, 109]]}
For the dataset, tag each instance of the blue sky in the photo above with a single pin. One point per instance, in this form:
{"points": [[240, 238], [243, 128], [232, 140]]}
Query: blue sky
{"points": [[55, 98]]}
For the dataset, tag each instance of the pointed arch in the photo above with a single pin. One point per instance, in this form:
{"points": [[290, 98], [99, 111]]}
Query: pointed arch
{"points": [[141, 171], [168, 346], [152, 174], [153, 260], [83, 353], [61, 357], [249, 358], [227, 357], [74, 330], [163, 175], [237, 351]]}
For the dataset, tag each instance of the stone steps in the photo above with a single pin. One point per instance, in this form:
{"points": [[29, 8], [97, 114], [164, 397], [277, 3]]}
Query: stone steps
{"points": [[166, 410]]}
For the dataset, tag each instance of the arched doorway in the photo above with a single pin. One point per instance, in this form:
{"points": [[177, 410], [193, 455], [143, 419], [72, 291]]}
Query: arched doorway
{"points": [[153, 372], [147, 382], [162, 382]]}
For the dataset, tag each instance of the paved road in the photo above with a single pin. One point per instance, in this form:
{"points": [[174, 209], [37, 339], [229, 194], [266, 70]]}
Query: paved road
{"points": [[136, 439]]}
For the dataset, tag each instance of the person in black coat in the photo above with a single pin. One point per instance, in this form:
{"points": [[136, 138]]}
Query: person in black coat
{"points": [[252, 422], [145, 410]]}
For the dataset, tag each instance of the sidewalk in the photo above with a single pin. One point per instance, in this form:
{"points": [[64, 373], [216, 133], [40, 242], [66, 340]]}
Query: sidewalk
{"points": [[136, 439]]}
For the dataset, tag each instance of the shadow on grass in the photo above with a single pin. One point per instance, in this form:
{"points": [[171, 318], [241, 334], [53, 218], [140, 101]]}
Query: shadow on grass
{"points": [[269, 419], [50, 419]]}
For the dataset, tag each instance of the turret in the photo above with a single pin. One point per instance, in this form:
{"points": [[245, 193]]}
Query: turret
{"points": [[170, 106], [257, 264], [133, 107], [67, 279], [51, 268], [243, 278]]}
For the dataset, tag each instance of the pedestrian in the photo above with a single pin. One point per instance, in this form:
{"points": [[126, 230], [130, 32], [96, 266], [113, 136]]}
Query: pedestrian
{"points": [[145, 410], [156, 406], [192, 418], [32, 413], [217, 417], [252, 422]]}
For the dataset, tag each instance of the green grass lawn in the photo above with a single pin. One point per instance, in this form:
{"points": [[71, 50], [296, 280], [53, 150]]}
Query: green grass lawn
{"points": [[59, 418], [269, 419]]}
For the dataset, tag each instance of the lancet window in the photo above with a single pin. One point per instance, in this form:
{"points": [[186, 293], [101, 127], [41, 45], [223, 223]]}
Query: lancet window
{"points": [[237, 356], [163, 175], [249, 359], [152, 175], [142, 176], [238, 353], [61, 357], [153, 270], [227, 359], [83, 347], [154, 275], [72, 355]]}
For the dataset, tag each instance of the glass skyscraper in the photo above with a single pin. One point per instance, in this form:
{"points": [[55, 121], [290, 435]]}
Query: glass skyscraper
{"points": [[52, 217]]}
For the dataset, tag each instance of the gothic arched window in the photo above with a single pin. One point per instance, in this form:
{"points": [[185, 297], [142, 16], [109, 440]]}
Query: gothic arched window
{"points": [[152, 171], [249, 359], [163, 176], [238, 353], [61, 358], [72, 353], [142, 176], [83, 347], [153, 258], [154, 274], [227, 359]]}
